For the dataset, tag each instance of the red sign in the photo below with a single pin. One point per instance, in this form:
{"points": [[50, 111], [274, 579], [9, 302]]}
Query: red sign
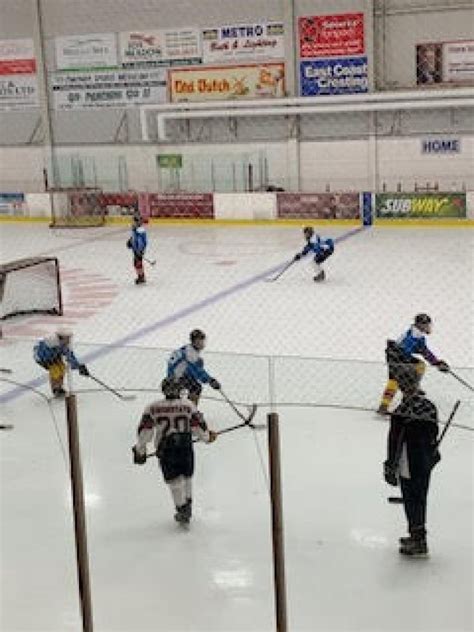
{"points": [[17, 66], [318, 205], [185, 205], [332, 35]]}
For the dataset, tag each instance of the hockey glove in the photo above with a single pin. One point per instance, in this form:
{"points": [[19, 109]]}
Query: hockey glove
{"points": [[138, 459], [297, 257], [390, 473], [83, 370], [212, 436], [214, 384], [442, 366]]}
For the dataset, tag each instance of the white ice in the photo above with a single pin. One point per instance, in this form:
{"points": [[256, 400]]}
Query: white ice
{"points": [[316, 352]]}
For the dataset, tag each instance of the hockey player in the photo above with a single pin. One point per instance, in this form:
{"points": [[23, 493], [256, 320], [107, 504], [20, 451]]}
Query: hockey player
{"points": [[137, 242], [172, 422], [411, 455], [186, 365], [401, 358], [50, 354], [322, 249]]}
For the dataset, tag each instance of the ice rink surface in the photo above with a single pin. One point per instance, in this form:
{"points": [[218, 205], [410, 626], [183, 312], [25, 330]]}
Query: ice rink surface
{"points": [[316, 352]]}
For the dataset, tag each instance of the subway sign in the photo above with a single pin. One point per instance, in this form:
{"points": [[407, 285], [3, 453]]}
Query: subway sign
{"points": [[425, 205]]}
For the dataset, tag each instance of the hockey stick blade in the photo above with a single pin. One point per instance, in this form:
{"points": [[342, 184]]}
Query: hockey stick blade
{"points": [[6, 426], [395, 500], [6, 371], [253, 410], [152, 262]]}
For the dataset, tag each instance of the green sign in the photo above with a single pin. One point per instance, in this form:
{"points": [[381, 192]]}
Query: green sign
{"points": [[170, 161], [427, 205]]}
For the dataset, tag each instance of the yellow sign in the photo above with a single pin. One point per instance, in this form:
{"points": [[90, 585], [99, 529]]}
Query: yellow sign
{"points": [[227, 82]]}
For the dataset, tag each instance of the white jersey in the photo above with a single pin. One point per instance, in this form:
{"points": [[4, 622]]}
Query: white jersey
{"points": [[167, 416]]}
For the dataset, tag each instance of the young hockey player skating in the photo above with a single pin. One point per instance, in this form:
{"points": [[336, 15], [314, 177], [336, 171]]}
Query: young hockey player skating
{"points": [[186, 366], [50, 354], [172, 422], [321, 248], [137, 242], [402, 362]]}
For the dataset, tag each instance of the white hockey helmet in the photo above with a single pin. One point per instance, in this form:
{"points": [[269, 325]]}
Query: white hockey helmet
{"points": [[64, 334]]}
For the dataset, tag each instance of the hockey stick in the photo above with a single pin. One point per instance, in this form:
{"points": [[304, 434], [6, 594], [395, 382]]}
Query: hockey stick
{"points": [[152, 262], [7, 371], [282, 271], [463, 382], [252, 410], [6, 426], [127, 398], [397, 500]]}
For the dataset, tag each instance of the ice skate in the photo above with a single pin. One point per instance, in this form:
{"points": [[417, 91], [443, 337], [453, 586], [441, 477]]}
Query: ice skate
{"points": [[320, 276], [139, 280], [182, 516], [59, 392], [414, 547]]}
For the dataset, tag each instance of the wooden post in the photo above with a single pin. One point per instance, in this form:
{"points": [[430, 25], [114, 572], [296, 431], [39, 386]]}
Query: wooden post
{"points": [[79, 513], [277, 522]]}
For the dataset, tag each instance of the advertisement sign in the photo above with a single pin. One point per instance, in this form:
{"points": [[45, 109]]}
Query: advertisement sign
{"points": [[114, 88], [12, 203], [445, 62], [181, 205], [458, 62], [95, 50], [347, 75], [243, 42], [331, 35], [155, 48], [169, 161], [17, 56], [18, 92], [227, 82], [441, 146], [318, 205], [427, 205]]}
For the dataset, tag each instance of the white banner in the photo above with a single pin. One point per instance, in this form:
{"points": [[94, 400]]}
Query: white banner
{"points": [[163, 47], [95, 50], [458, 62], [113, 89], [17, 56], [243, 42], [18, 92]]}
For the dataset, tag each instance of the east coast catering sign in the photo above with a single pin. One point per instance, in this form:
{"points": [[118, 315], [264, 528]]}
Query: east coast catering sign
{"points": [[321, 77], [227, 82], [331, 35], [18, 82], [94, 50], [243, 42], [117, 88], [162, 47]]}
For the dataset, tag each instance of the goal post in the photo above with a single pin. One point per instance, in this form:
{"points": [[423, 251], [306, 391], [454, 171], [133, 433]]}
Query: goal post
{"points": [[30, 285], [77, 207]]}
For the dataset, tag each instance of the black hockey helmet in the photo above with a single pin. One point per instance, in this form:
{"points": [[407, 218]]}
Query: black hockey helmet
{"points": [[197, 337], [171, 388], [308, 232], [423, 322]]}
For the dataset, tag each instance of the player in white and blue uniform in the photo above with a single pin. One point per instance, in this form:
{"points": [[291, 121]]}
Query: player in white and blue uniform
{"points": [[321, 248], [187, 367], [50, 354], [401, 360], [138, 242]]}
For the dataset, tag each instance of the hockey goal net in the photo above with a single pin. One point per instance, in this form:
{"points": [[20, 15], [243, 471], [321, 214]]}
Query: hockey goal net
{"points": [[77, 207], [30, 285]]}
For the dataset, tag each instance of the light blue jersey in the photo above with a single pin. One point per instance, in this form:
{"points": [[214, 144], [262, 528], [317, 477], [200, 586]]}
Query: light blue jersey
{"points": [[186, 361], [138, 240], [318, 246], [413, 342], [51, 350]]}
